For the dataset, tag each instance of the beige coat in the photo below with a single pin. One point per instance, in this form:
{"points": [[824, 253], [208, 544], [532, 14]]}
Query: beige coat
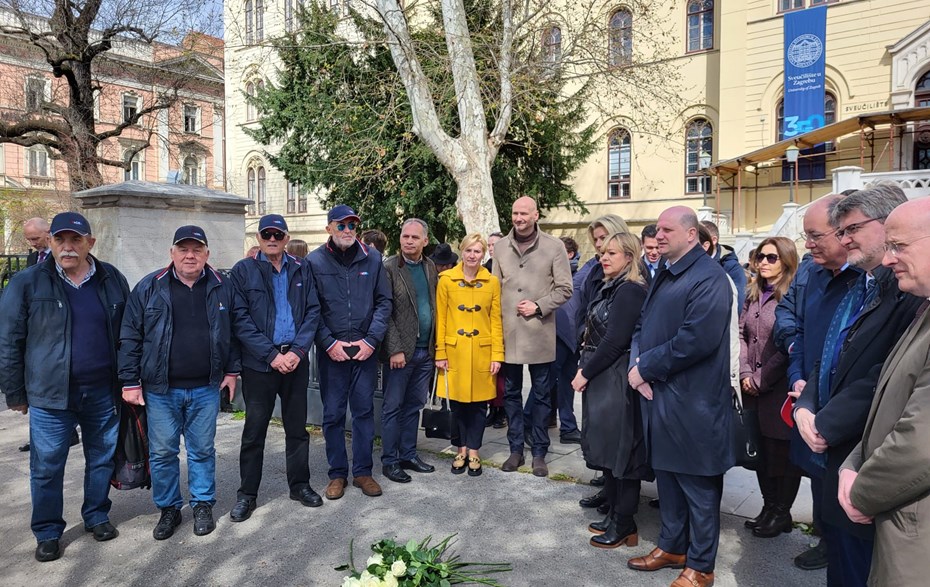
{"points": [[893, 461], [542, 275]]}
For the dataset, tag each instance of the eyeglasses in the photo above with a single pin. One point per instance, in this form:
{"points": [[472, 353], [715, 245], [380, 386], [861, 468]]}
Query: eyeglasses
{"points": [[815, 237], [851, 229], [772, 258], [896, 248], [269, 234], [344, 225]]}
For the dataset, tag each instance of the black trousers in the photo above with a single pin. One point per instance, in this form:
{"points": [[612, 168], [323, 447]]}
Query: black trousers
{"points": [[468, 423], [259, 391], [622, 494]]}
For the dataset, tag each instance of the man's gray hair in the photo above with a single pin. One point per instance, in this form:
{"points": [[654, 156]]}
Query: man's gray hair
{"points": [[874, 202], [421, 223]]}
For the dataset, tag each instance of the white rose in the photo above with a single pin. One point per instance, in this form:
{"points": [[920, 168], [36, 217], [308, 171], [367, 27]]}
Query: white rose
{"points": [[389, 581], [398, 569], [375, 559], [370, 581], [351, 582]]}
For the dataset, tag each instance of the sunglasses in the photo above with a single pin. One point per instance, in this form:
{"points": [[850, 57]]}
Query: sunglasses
{"points": [[268, 235], [344, 225], [772, 258]]}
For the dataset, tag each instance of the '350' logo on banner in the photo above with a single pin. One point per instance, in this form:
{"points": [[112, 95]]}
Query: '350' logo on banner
{"points": [[795, 126]]}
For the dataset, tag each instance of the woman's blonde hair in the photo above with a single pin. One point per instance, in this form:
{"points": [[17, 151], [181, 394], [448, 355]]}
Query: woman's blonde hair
{"points": [[471, 239], [612, 223], [631, 246], [787, 255]]}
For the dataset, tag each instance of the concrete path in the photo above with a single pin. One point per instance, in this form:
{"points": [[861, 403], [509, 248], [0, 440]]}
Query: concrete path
{"points": [[534, 524]]}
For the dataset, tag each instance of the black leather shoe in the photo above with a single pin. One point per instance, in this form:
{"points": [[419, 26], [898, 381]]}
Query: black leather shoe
{"points": [[48, 550], [654, 503], [103, 532], [812, 558], [777, 521], [243, 509], [570, 438], [203, 519], [417, 464], [753, 523], [604, 508], [307, 496], [395, 474], [169, 520], [25, 448], [594, 501], [597, 481]]}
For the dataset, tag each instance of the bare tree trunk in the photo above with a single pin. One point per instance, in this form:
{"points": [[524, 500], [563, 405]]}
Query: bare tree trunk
{"points": [[475, 200]]}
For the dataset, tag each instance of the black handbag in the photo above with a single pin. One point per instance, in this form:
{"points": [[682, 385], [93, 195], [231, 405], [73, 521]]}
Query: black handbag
{"points": [[437, 419], [745, 435], [131, 460]]}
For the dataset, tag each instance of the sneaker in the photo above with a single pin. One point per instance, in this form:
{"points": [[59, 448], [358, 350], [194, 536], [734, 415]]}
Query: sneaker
{"points": [[203, 519], [170, 519]]}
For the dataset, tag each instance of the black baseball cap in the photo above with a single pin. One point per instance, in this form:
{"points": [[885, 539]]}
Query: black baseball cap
{"points": [[70, 221], [275, 221], [190, 232]]}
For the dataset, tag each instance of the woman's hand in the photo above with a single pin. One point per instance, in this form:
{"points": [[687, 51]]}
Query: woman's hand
{"points": [[442, 364], [748, 386], [495, 367], [580, 382]]}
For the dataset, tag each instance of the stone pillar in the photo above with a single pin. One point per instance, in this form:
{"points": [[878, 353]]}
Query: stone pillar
{"points": [[848, 177], [134, 222]]}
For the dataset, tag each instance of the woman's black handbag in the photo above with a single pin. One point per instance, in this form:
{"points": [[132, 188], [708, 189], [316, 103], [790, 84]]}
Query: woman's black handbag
{"points": [[745, 435], [437, 418]]}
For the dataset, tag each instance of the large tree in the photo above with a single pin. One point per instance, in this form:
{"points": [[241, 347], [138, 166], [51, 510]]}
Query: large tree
{"points": [[340, 116], [74, 39]]}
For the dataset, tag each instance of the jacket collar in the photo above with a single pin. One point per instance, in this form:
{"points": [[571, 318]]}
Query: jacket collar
{"points": [[457, 273], [363, 250], [213, 276], [689, 259]]}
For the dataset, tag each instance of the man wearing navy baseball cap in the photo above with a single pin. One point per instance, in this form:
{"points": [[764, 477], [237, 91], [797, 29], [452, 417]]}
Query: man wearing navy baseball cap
{"points": [[276, 316], [176, 354], [69, 311], [355, 297]]}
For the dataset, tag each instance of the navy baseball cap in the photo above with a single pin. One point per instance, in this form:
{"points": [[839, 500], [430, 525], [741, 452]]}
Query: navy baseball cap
{"points": [[190, 232], [341, 212], [275, 221], [70, 221]]}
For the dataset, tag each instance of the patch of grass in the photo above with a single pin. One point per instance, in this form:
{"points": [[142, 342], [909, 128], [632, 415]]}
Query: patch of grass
{"points": [[238, 415], [805, 528], [563, 477]]}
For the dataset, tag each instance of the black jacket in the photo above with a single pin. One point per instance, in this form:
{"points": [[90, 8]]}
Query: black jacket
{"points": [[842, 420], [254, 310], [35, 333], [145, 336], [404, 322]]}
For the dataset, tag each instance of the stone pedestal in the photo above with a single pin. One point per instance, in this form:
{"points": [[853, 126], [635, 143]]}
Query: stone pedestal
{"points": [[135, 221]]}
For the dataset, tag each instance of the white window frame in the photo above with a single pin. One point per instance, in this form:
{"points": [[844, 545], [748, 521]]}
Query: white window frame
{"points": [[191, 113], [186, 176], [124, 105], [37, 163], [136, 172]]}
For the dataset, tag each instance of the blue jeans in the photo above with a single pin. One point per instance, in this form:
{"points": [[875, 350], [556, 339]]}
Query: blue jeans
{"points": [[50, 438], [563, 371], [191, 412], [352, 384], [513, 405], [405, 392]]}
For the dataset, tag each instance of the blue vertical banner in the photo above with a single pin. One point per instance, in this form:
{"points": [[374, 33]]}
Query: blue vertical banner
{"points": [[805, 60]]}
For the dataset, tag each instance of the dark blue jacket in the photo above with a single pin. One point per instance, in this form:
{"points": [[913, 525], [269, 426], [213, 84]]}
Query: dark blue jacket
{"points": [[254, 310], [145, 336], [682, 348], [789, 314], [730, 263], [355, 301], [35, 333]]}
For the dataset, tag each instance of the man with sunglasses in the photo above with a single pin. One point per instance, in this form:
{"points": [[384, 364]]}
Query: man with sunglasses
{"points": [[830, 413], [355, 301], [275, 318]]}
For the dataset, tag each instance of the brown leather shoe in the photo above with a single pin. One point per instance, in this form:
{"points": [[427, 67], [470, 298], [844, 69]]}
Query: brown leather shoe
{"points": [[691, 578], [540, 469], [657, 559], [513, 462], [336, 488], [368, 485]]}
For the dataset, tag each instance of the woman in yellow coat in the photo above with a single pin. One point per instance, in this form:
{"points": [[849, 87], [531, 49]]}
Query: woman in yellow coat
{"points": [[469, 347]]}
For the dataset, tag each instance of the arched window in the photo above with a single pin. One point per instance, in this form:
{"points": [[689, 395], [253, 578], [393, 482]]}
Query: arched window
{"points": [[262, 194], [250, 187], [619, 161], [136, 169], [191, 170], [812, 164], [700, 25], [552, 46], [699, 138], [249, 31], [249, 106], [922, 91], [922, 133], [620, 42]]}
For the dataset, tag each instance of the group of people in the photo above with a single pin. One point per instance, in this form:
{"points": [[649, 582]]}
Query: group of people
{"points": [[657, 332]]}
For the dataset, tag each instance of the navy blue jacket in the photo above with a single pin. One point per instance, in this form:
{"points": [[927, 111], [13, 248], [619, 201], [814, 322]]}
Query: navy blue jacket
{"points": [[789, 314], [682, 348], [355, 301], [254, 310], [145, 336], [35, 333]]}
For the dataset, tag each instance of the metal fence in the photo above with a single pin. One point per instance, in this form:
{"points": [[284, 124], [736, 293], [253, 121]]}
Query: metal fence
{"points": [[10, 264]]}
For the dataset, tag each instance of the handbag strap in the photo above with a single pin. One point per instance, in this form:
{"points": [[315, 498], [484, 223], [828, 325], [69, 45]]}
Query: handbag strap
{"points": [[433, 394], [739, 398]]}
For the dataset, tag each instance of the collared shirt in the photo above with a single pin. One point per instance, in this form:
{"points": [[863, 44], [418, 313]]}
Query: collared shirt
{"points": [[284, 330], [43, 255], [90, 273]]}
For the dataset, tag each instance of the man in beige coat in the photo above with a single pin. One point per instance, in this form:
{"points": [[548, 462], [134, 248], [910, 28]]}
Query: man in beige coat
{"points": [[535, 280], [886, 479]]}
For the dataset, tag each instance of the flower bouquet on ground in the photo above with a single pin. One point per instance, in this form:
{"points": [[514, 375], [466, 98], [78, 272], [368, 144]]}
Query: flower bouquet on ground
{"points": [[418, 564]]}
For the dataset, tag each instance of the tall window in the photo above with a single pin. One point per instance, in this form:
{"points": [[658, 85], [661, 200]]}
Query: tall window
{"points": [[136, 170], [252, 89], [700, 25], [620, 42], [130, 106], [37, 162], [699, 138], [262, 194], [35, 93], [288, 15], [191, 117], [250, 186], [812, 163], [191, 170], [618, 164], [292, 190], [922, 134], [922, 91], [789, 5], [249, 31], [552, 46], [259, 21]]}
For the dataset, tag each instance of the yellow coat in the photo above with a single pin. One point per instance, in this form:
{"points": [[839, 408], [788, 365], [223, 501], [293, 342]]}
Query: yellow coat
{"points": [[469, 340]]}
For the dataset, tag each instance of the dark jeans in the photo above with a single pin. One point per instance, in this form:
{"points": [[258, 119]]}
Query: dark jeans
{"points": [[513, 404], [405, 392], [50, 434], [849, 558], [352, 384], [563, 371], [690, 516], [468, 423], [259, 390]]}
